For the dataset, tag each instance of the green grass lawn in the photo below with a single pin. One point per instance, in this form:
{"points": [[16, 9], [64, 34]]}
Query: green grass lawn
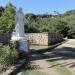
{"points": [[60, 68], [36, 47]]}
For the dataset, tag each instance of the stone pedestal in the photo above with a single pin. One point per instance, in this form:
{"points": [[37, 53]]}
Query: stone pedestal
{"points": [[23, 45]]}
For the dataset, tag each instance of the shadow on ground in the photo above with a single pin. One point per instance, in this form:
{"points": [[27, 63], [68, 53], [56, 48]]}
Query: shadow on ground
{"points": [[51, 54], [64, 53]]}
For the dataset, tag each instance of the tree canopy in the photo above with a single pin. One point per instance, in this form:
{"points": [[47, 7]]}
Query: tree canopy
{"points": [[59, 23], [7, 21]]}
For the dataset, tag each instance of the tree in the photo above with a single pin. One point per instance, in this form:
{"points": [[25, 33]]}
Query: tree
{"points": [[30, 16], [63, 28], [71, 12], [1, 10], [59, 23], [7, 20], [69, 17]]}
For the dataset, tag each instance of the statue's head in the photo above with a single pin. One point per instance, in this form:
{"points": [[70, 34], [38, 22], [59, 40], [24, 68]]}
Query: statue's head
{"points": [[20, 9]]}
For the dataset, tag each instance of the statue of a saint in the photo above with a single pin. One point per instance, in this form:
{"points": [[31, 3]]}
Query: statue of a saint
{"points": [[19, 35], [18, 32]]}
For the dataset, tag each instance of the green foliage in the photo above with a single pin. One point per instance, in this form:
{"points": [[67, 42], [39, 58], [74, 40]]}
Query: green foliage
{"points": [[1, 10], [30, 16], [7, 21], [69, 17], [44, 23], [63, 28], [71, 12], [8, 55], [60, 23]]}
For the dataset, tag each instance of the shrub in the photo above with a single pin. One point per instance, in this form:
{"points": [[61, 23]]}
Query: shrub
{"points": [[8, 55]]}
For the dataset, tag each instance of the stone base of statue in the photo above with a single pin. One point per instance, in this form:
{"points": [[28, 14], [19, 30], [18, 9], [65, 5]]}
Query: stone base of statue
{"points": [[15, 38], [23, 43]]}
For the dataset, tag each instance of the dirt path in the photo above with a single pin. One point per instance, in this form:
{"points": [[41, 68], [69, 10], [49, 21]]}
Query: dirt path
{"points": [[45, 67], [63, 54], [41, 65], [67, 54]]}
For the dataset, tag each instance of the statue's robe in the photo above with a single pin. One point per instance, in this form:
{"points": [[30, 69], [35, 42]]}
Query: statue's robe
{"points": [[18, 32]]}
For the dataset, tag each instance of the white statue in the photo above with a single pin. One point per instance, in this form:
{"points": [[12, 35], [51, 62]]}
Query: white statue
{"points": [[18, 32]]}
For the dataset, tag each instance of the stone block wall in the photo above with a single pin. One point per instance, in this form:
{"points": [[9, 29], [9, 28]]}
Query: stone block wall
{"points": [[36, 38], [44, 38], [54, 38], [4, 38]]}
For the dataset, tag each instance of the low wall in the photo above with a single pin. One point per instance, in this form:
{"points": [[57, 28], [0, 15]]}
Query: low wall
{"points": [[36, 38], [44, 38], [54, 38], [4, 38]]}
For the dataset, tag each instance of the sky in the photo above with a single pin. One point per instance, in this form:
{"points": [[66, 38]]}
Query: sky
{"points": [[42, 6]]}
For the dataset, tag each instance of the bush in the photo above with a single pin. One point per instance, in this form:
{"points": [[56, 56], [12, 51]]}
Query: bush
{"points": [[8, 55]]}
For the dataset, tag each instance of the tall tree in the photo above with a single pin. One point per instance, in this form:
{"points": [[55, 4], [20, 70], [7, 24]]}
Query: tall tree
{"points": [[1, 10], [7, 20]]}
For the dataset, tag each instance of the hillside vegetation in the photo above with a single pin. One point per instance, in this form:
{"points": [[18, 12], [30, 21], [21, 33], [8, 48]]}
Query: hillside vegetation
{"points": [[59, 23]]}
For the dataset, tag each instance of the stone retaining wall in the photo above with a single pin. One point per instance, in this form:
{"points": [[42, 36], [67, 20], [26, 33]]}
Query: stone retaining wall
{"points": [[36, 38], [44, 38], [4, 38]]}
